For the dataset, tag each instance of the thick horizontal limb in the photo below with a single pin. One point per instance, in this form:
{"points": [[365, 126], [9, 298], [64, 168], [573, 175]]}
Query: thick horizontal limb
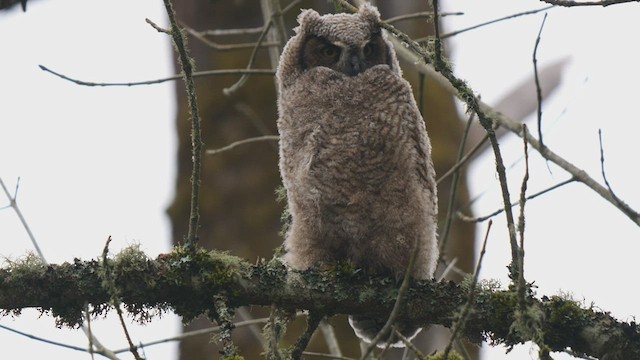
{"points": [[186, 282]]}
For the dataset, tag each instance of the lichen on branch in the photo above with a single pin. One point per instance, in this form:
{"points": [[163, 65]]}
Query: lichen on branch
{"points": [[187, 282]]}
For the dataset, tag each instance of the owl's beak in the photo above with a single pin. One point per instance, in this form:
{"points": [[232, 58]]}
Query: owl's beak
{"points": [[355, 67], [351, 62]]}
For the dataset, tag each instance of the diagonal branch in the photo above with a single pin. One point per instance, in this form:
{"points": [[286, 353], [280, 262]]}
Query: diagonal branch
{"points": [[414, 53]]}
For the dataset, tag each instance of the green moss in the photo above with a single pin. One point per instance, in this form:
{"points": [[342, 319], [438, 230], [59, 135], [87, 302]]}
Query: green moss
{"points": [[440, 356], [28, 265], [567, 315], [285, 217]]}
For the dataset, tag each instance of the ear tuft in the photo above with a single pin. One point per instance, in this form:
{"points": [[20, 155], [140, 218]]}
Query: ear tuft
{"points": [[370, 13], [307, 19]]}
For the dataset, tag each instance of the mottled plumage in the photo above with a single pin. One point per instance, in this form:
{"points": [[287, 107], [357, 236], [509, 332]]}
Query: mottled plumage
{"points": [[355, 158]]}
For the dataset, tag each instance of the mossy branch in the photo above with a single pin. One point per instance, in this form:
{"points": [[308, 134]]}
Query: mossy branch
{"points": [[187, 282]]}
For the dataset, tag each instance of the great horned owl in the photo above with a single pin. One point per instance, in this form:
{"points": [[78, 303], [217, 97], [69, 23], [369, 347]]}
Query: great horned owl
{"points": [[355, 158]]}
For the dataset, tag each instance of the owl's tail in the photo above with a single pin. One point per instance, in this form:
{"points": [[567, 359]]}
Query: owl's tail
{"points": [[367, 328]]}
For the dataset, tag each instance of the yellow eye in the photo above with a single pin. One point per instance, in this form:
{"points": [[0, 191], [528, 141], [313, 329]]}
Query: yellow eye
{"points": [[330, 51], [367, 50]]}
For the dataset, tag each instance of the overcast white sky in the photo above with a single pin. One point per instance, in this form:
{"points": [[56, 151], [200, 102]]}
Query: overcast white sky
{"points": [[95, 162]]}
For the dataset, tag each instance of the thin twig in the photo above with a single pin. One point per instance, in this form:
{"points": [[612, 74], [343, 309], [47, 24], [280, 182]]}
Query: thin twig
{"points": [[535, 73], [46, 341], [399, 301], [132, 348], [198, 332], [490, 116], [313, 320], [242, 142], [450, 267], [109, 283], [179, 337], [465, 159], [274, 331], [224, 47], [523, 194], [418, 15], [243, 79], [14, 205], [100, 350], [328, 356], [520, 282], [88, 317], [162, 80], [604, 175], [223, 316], [570, 3], [533, 196], [459, 324], [419, 354], [453, 191], [473, 104], [578, 174], [180, 43], [330, 338], [291, 5], [512, 16], [158, 28], [231, 32], [244, 314]]}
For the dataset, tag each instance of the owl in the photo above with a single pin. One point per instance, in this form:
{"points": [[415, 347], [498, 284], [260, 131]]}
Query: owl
{"points": [[355, 158]]}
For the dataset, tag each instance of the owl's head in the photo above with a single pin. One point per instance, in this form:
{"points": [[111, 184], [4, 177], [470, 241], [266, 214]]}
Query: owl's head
{"points": [[346, 43]]}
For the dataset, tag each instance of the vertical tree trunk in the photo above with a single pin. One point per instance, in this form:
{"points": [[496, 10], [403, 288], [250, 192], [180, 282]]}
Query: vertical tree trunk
{"points": [[238, 207]]}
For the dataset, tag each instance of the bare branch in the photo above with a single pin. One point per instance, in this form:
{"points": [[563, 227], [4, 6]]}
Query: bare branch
{"points": [[243, 79], [46, 341], [454, 189], [604, 175], [462, 319], [578, 174], [328, 356], [157, 27], [418, 15], [419, 354], [570, 3], [111, 287], [200, 35], [158, 81], [491, 116], [313, 320], [242, 142], [14, 205], [473, 104], [228, 32], [533, 196], [512, 16], [186, 64], [330, 338], [535, 73], [464, 160], [399, 303]]}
